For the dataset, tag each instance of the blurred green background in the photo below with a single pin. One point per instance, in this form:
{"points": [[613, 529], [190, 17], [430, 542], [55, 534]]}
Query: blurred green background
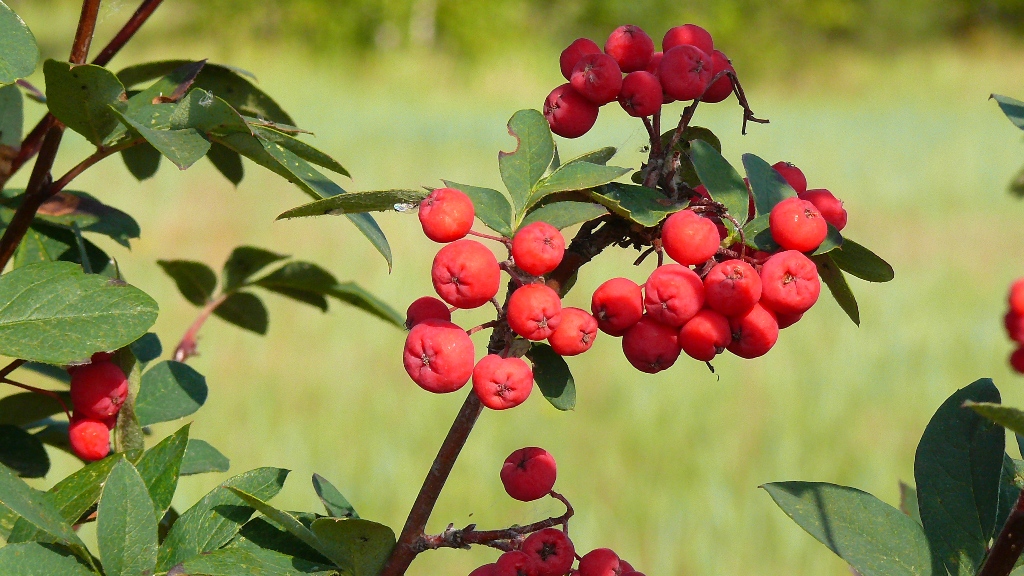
{"points": [[885, 103]]}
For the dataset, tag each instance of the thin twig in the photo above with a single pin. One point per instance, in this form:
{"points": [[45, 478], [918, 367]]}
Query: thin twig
{"points": [[1008, 544], [41, 391], [506, 538], [483, 326], [501, 239], [189, 344], [6, 370]]}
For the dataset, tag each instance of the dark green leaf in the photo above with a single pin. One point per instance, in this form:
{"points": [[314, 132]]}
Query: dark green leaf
{"points": [[244, 310], [758, 235], [1017, 185], [28, 407], [1006, 416], [300, 276], [908, 502], [11, 114], [768, 186], [128, 434], [522, 168], [38, 559], [1014, 109], [126, 525], [352, 293], [147, 348], [19, 53], [861, 262], [722, 181], [201, 458], [832, 241], [23, 452], [289, 523], [142, 161], [46, 243], [69, 208], [171, 88], [160, 468], [304, 296], [302, 173], [689, 135], [575, 176], [82, 98], [250, 561], [37, 510], [227, 162], [363, 545], [195, 280], [55, 434], [553, 377], [356, 202], [565, 214], [957, 468], [645, 206], [335, 503], [599, 156], [1009, 490], [837, 285], [873, 537], [262, 532], [202, 111], [301, 149], [170, 390], [244, 262], [182, 147], [490, 206]]}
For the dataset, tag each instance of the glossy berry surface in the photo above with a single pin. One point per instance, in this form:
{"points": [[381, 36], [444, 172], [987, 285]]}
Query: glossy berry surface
{"points": [[89, 437], [797, 224], [572, 54], [651, 347], [1016, 297], [534, 311], [502, 383], [575, 334], [569, 114], [732, 288], [465, 274], [792, 175], [631, 48], [446, 215], [426, 308], [685, 72], [688, 34], [673, 294], [689, 239], [754, 333], [789, 283], [438, 356], [787, 320], [551, 550], [617, 304], [597, 78], [641, 94], [831, 208], [515, 563], [529, 474], [705, 336], [720, 89], [537, 248], [98, 389], [600, 562]]}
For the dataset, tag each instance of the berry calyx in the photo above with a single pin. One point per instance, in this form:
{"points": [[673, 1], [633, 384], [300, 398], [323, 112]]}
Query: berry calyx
{"points": [[789, 283], [446, 215], [705, 336], [631, 48], [651, 347], [575, 333], [502, 383], [569, 114], [600, 562], [689, 239], [572, 54], [755, 333], [98, 390], [689, 34], [1016, 297], [1017, 360], [597, 78], [792, 175], [685, 72], [529, 474], [534, 311], [721, 88], [617, 304], [641, 94], [515, 563], [89, 437], [673, 294], [831, 208], [426, 308], [438, 356], [465, 274], [732, 288], [551, 550], [537, 248], [797, 224]]}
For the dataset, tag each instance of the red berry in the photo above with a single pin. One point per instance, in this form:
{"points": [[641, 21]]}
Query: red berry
{"points": [[426, 308], [705, 336], [690, 239], [654, 63], [685, 72], [631, 48], [569, 114], [755, 333], [1014, 326], [1017, 360], [90, 438], [528, 474], [600, 562], [446, 215], [537, 248], [101, 357], [515, 563], [485, 570], [797, 225], [689, 34], [551, 550], [572, 54], [534, 311], [641, 94], [792, 175], [732, 288], [633, 573], [673, 294], [651, 347], [789, 283], [98, 390], [617, 304], [438, 356], [465, 274], [831, 208], [787, 320], [721, 88], [575, 334], [597, 78], [1016, 298], [502, 383]]}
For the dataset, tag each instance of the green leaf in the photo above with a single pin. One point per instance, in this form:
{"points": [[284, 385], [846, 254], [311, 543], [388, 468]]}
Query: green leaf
{"points": [[244, 262], [1006, 416], [861, 262], [84, 98], [23, 452], [46, 243], [575, 176], [11, 113], [244, 310], [126, 525], [957, 469], [170, 390], [873, 537], [553, 377], [1009, 490], [522, 168], [364, 545], [195, 280], [263, 533], [722, 181], [251, 561], [91, 314], [182, 147], [160, 467], [227, 162], [128, 434], [202, 111], [201, 458], [37, 510], [908, 502], [19, 53], [301, 149], [302, 173], [147, 348], [291, 524], [335, 503], [142, 161], [170, 88], [357, 202], [1014, 109], [768, 186], [599, 156], [832, 241], [645, 206], [837, 285], [490, 206], [69, 208], [758, 235], [214, 520], [353, 294], [565, 214], [38, 559], [28, 407]]}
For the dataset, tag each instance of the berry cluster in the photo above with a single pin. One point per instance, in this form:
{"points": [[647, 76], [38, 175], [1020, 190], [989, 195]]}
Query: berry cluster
{"points": [[1014, 321], [687, 68], [98, 389]]}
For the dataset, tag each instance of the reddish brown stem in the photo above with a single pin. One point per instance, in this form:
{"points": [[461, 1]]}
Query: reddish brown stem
{"points": [[483, 326], [6, 370], [189, 345], [1008, 544], [86, 29], [42, 391], [501, 239], [505, 538]]}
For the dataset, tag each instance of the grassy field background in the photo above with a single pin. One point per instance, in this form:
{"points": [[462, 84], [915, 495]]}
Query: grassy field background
{"points": [[665, 468]]}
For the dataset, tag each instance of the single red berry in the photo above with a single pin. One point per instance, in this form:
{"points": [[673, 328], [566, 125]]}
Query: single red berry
{"points": [[90, 438], [732, 288], [575, 334], [651, 347], [685, 72], [631, 48], [688, 34], [721, 88], [534, 311], [641, 94], [572, 54], [1017, 360], [537, 248], [1014, 326], [426, 308], [438, 356], [569, 114], [485, 570], [755, 333], [673, 294], [654, 63], [617, 304], [1016, 297], [796, 224], [792, 175], [551, 550], [831, 208], [102, 357], [597, 78], [515, 563], [529, 474], [624, 566], [705, 336], [689, 239], [789, 283], [465, 274], [600, 562], [502, 383], [787, 320], [446, 215], [98, 390]]}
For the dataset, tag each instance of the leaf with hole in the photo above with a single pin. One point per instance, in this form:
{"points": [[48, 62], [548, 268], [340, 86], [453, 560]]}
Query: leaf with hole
{"points": [[524, 166], [170, 390]]}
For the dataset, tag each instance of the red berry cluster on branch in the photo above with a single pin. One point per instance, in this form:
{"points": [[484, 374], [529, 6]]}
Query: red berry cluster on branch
{"points": [[1014, 321], [98, 389]]}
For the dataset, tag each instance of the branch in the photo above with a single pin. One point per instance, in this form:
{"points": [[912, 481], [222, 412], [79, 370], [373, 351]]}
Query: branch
{"points": [[189, 346], [86, 29], [1008, 544], [504, 539]]}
